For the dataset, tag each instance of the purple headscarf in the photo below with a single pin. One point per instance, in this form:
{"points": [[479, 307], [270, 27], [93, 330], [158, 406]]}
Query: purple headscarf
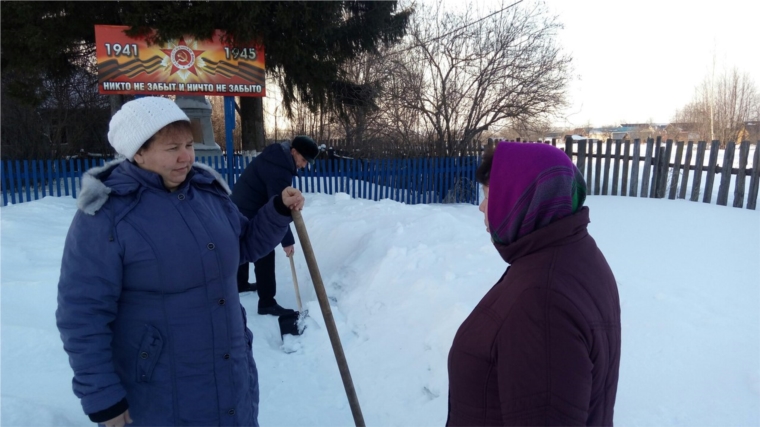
{"points": [[531, 186]]}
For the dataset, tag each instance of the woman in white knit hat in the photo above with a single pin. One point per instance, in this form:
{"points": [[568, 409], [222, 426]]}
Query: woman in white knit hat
{"points": [[148, 308]]}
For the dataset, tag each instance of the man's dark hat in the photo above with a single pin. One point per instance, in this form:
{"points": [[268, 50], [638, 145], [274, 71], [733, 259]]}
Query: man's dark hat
{"points": [[306, 147]]}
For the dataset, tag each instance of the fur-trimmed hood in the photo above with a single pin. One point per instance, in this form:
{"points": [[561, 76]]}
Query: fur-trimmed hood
{"points": [[100, 182]]}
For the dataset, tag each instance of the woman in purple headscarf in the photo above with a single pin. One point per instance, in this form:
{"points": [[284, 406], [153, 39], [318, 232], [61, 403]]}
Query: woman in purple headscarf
{"points": [[543, 345]]}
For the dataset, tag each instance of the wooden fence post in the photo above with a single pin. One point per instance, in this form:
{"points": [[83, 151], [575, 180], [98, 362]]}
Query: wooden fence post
{"points": [[590, 165], [626, 159], [581, 156], [740, 176], [701, 147], [656, 169], [662, 174], [635, 168], [725, 178], [676, 171], [569, 147], [606, 183], [668, 152], [598, 167], [753, 182], [647, 168], [711, 171], [616, 167], [687, 168]]}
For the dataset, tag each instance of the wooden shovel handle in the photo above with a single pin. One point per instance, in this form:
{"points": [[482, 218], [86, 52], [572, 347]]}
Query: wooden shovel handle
{"points": [[295, 282], [332, 330]]}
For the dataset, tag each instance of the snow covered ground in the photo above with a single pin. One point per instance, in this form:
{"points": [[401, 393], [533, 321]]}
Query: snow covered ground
{"points": [[401, 279]]}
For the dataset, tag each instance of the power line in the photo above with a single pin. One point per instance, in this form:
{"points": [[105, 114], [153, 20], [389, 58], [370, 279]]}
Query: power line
{"points": [[456, 29]]}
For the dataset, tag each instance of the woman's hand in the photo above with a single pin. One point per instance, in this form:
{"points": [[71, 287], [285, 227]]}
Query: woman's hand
{"points": [[119, 421], [292, 198]]}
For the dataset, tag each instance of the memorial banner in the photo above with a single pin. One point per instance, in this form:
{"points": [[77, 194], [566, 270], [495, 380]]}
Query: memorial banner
{"points": [[184, 66]]}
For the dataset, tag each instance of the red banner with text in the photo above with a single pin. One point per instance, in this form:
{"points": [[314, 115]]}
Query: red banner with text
{"points": [[180, 67]]}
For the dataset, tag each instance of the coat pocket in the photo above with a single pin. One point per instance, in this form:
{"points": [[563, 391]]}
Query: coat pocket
{"points": [[248, 333], [147, 356]]}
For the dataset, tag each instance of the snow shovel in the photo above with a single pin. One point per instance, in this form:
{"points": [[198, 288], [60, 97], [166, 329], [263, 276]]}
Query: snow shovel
{"points": [[293, 324], [332, 330]]}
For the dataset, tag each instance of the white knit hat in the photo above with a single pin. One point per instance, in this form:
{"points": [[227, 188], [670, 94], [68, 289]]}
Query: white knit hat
{"points": [[140, 119]]}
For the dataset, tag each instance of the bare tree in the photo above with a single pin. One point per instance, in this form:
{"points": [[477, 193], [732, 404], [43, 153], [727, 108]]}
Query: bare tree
{"points": [[72, 118], [722, 108], [465, 74]]}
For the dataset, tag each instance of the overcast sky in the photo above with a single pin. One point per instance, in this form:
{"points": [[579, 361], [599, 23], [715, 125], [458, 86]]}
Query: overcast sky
{"points": [[637, 61]]}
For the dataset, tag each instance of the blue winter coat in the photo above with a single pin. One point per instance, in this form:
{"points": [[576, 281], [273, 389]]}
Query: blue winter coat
{"points": [[148, 308], [267, 175]]}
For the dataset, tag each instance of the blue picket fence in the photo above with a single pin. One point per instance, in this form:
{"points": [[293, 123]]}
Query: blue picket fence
{"points": [[410, 181]]}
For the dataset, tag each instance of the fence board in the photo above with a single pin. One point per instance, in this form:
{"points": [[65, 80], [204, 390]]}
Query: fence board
{"points": [[666, 168], [4, 181], [389, 177], [725, 177], [711, 171], [12, 181], [354, 177], [418, 175], [35, 182], [415, 180], [424, 171], [420, 178], [442, 179], [344, 174], [43, 179], [598, 177], [655, 167], [753, 182], [582, 156], [616, 167], [740, 177], [315, 184], [19, 187], [26, 181], [364, 176], [607, 156], [701, 147], [635, 168], [662, 172], [647, 168], [626, 160], [409, 179], [590, 166], [686, 170], [676, 171], [74, 175], [568, 147]]}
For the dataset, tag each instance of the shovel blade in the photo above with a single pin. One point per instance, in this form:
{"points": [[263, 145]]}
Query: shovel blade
{"points": [[290, 324]]}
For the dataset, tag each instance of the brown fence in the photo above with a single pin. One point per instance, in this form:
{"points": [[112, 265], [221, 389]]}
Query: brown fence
{"points": [[673, 170]]}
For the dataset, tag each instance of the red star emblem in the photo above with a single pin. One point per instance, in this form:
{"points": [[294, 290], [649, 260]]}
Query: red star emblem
{"points": [[182, 57]]}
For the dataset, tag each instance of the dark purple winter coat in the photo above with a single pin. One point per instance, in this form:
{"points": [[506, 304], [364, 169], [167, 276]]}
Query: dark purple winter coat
{"points": [[542, 348], [148, 308]]}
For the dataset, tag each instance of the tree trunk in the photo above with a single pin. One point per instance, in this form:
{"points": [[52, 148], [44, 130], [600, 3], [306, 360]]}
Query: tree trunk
{"points": [[252, 123], [116, 102]]}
